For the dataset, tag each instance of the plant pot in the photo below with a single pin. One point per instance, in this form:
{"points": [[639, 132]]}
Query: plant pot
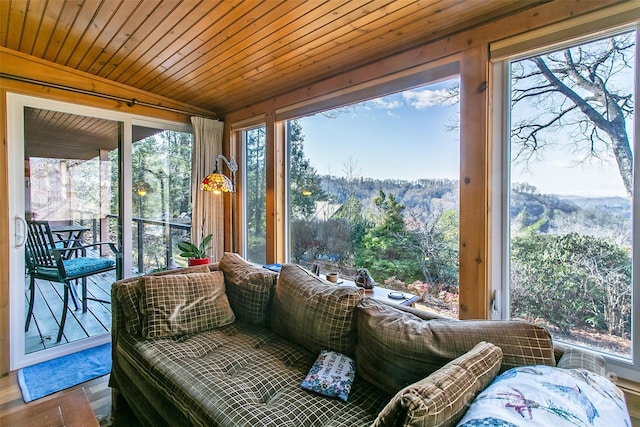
{"points": [[198, 261]]}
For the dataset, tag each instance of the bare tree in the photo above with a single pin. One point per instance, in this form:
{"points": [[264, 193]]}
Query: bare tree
{"points": [[585, 91]]}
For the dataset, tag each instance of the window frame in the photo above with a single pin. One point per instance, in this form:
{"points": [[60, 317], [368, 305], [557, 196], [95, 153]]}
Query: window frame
{"points": [[442, 74], [500, 215], [241, 135]]}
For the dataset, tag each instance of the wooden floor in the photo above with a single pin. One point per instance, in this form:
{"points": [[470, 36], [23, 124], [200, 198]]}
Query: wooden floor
{"points": [[47, 311]]}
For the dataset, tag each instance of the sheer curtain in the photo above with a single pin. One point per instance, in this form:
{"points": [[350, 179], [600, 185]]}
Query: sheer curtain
{"points": [[208, 210]]}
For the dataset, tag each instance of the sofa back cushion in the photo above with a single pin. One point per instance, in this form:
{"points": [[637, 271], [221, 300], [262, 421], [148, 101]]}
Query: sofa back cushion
{"points": [[249, 288], [314, 313], [129, 291], [396, 348], [182, 304]]}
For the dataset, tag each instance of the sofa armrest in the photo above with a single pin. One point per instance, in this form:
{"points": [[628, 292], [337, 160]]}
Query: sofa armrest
{"points": [[575, 358]]}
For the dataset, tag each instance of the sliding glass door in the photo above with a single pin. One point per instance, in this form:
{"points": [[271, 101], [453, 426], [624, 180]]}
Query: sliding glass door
{"points": [[74, 168], [71, 177]]}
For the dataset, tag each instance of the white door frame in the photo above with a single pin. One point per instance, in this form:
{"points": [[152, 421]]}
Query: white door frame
{"points": [[15, 133]]}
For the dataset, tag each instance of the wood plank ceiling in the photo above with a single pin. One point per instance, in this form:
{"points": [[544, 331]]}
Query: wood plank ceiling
{"points": [[223, 55]]}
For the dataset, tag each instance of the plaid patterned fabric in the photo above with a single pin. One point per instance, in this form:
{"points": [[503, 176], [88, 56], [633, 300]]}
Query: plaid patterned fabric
{"points": [[573, 358], [249, 288], [241, 375], [244, 374], [179, 304], [396, 349], [128, 292], [314, 314], [443, 397]]}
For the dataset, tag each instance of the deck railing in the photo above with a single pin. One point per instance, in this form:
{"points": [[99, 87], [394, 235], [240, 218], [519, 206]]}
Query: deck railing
{"points": [[148, 234]]}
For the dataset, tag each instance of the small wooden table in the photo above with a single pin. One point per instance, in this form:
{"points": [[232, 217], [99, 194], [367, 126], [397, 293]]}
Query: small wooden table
{"points": [[70, 409]]}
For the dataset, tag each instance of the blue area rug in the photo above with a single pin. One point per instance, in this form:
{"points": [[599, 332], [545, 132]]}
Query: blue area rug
{"points": [[48, 377]]}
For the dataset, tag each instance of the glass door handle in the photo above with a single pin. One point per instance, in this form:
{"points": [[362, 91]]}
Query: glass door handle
{"points": [[21, 231]]}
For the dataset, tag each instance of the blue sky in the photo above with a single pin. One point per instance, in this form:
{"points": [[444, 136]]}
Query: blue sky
{"points": [[402, 136]]}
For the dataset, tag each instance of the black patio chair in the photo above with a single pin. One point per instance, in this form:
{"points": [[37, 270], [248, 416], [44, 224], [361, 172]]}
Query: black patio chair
{"points": [[50, 259]]}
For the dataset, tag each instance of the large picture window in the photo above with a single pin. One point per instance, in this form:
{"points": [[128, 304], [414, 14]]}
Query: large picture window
{"points": [[375, 185], [571, 192]]}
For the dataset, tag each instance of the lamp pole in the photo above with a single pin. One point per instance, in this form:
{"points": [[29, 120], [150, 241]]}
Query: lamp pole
{"points": [[233, 168]]}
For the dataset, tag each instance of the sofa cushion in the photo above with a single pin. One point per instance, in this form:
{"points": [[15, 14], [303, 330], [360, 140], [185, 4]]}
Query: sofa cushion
{"points": [[314, 313], [174, 305], [547, 396], [442, 398], [396, 348], [331, 375], [240, 375], [130, 290], [249, 288]]}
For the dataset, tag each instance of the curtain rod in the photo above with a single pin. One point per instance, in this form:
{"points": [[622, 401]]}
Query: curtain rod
{"points": [[129, 101]]}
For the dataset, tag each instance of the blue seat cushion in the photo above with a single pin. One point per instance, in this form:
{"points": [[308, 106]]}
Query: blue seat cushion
{"points": [[79, 267]]}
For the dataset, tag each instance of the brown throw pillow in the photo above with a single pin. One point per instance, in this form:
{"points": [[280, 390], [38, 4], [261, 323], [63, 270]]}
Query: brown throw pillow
{"points": [[313, 313], [182, 304], [396, 348], [249, 288], [130, 290], [443, 397]]}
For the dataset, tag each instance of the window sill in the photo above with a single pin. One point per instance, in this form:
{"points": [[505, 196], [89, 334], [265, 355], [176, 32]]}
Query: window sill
{"points": [[632, 395]]}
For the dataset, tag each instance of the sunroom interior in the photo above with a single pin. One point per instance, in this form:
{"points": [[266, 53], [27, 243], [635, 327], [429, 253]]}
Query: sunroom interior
{"points": [[262, 66]]}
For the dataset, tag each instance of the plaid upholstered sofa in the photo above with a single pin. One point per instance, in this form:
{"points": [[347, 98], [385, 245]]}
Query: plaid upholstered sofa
{"points": [[230, 344]]}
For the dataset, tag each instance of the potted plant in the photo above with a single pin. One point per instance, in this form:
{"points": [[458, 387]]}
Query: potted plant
{"points": [[197, 254]]}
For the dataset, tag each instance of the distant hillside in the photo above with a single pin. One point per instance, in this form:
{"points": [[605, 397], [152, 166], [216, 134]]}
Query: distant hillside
{"points": [[417, 196], [426, 194], [620, 206]]}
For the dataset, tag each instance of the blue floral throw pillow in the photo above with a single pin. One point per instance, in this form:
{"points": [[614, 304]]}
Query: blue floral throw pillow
{"points": [[546, 396], [331, 375]]}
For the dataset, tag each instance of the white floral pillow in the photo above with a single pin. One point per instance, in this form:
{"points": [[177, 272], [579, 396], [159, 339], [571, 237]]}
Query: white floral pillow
{"points": [[331, 375], [547, 396]]}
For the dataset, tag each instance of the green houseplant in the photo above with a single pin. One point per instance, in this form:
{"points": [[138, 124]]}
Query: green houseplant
{"points": [[197, 254]]}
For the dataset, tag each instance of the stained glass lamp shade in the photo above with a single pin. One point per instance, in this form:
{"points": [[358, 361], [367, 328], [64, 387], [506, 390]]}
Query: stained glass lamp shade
{"points": [[217, 183]]}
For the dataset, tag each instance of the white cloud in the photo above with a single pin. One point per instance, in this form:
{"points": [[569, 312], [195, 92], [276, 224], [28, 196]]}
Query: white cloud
{"points": [[382, 104], [428, 98]]}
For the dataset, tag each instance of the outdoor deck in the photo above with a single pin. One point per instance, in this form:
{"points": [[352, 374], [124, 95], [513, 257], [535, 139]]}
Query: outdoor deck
{"points": [[48, 308]]}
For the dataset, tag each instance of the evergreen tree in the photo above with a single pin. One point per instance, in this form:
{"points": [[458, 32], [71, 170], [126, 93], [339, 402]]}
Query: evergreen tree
{"points": [[304, 182], [385, 249], [256, 174], [352, 214]]}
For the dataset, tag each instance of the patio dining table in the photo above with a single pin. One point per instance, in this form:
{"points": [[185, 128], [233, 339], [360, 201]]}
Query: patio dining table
{"points": [[72, 233]]}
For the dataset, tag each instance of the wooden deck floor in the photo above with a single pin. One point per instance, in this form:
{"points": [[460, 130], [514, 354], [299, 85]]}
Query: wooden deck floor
{"points": [[47, 311]]}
